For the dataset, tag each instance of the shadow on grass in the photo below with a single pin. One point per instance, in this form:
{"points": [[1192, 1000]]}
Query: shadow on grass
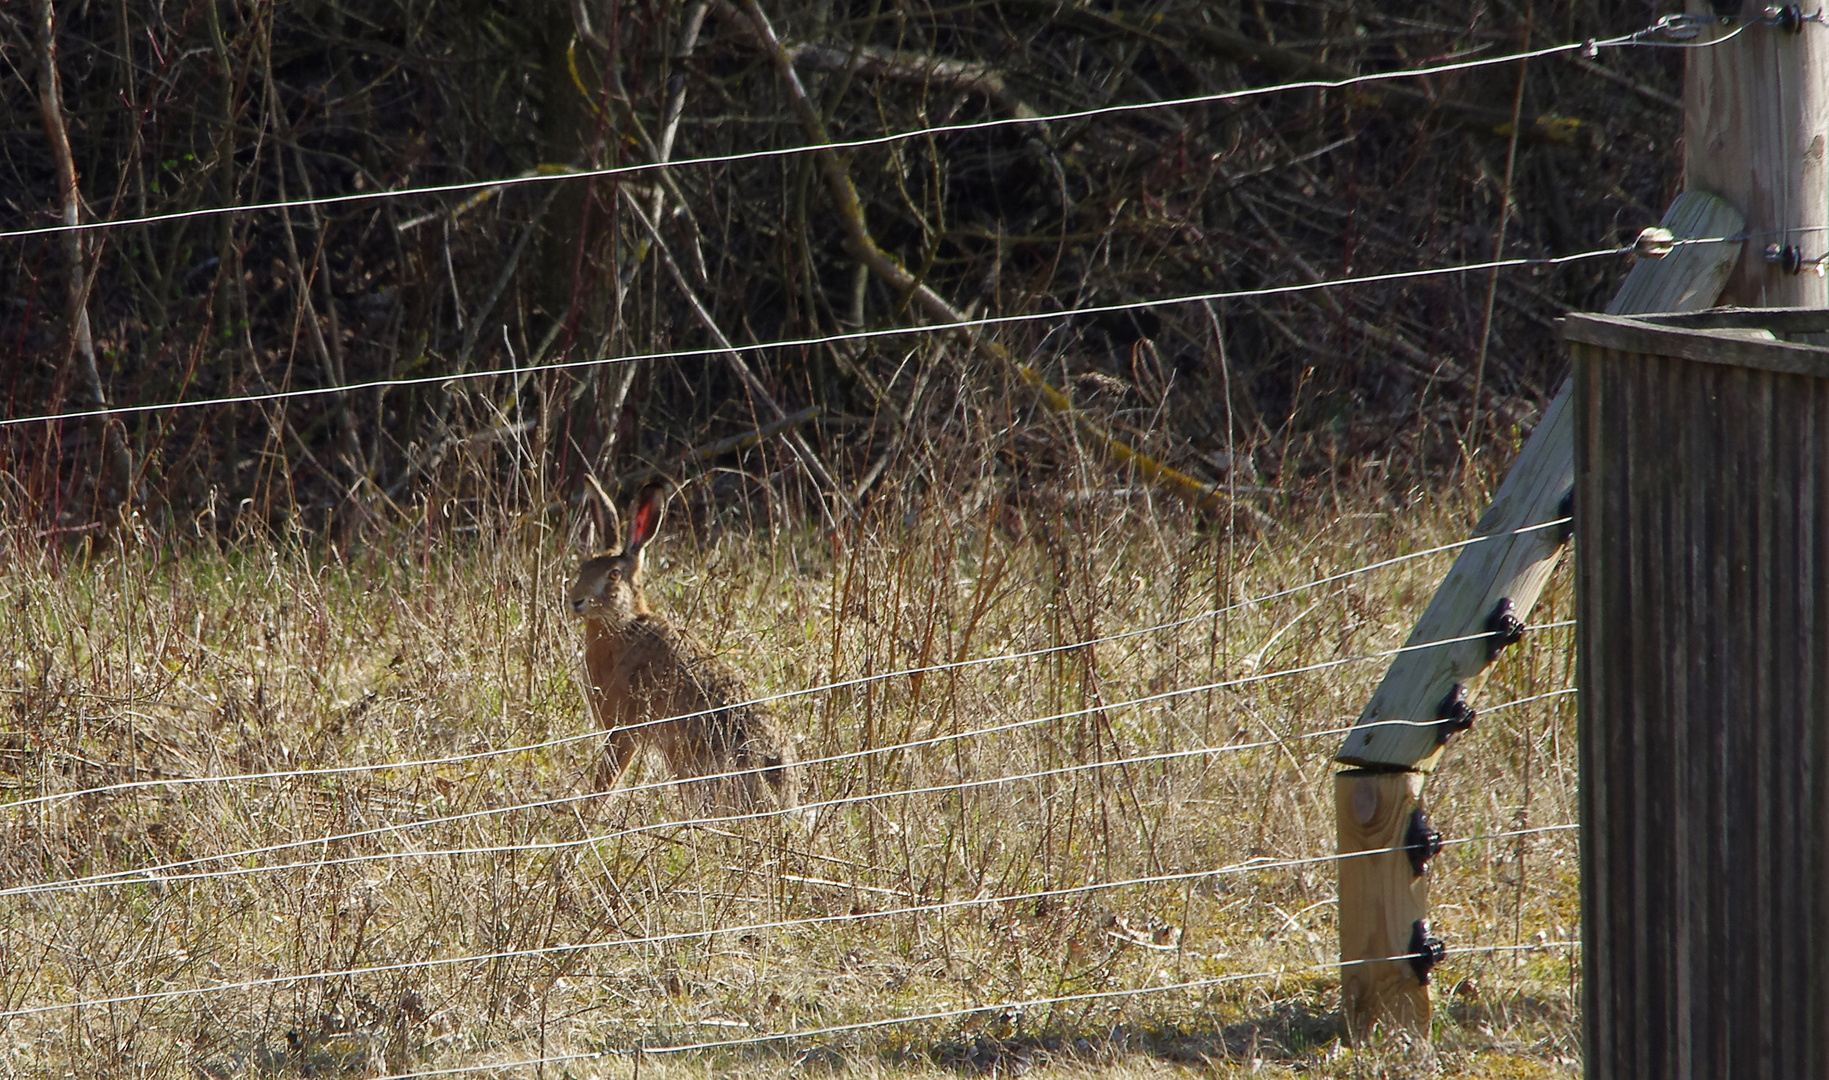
{"points": [[1291, 1032], [1478, 1012]]}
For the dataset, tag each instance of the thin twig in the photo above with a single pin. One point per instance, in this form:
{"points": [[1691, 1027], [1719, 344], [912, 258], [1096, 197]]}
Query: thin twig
{"points": [[1470, 443], [699, 454], [320, 271], [473, 329]]}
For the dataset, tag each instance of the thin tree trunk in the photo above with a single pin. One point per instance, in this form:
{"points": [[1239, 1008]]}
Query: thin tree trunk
{"points": [[117, 471]]}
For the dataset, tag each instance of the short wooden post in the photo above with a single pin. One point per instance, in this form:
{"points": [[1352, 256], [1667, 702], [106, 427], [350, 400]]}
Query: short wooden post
{"points": [[1387, 889], [1406, 725]]}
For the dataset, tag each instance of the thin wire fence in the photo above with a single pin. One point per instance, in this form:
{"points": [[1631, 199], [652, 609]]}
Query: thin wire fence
{"points": [[163, 876], [169, 783], [1001, 1008], [1101, 995], [1635, 38], [907, 903], [1253, 866], [184, 872], [839, 338], [164, 872]]}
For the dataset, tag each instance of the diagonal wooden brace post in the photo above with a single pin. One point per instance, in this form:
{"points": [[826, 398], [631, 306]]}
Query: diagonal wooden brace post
{"points": [[1422, 701]]}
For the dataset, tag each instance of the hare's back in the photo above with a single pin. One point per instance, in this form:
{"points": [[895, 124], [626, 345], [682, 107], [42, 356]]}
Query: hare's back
{"points": [[661, 659], [732, 719]]}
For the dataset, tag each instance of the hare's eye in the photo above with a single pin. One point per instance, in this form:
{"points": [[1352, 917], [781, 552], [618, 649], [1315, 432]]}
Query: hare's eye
{"points": [[615, 573]]}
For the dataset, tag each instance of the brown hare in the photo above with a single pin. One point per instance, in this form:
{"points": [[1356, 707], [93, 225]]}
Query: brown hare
{"points": [[640, 668]]}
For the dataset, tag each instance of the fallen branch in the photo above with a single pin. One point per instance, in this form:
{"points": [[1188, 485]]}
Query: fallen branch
{"points": [[1651, 94], [1204, 497], [431, 461], [918, 70]]}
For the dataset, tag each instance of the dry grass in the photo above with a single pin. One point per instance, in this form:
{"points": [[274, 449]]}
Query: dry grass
{"points": [[183, 659]]}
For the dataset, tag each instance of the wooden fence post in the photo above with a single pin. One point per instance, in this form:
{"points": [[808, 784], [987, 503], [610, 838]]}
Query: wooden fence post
{"points": [[1422, 699], [1702, 709], [1755, 114], [1702, 589]]}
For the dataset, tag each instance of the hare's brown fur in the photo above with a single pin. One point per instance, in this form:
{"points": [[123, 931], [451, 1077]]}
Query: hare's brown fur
{"points": [[639, 668]]}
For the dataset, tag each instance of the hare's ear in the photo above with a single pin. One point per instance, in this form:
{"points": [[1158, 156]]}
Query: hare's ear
{"points": [[644, 518], [602, 515]]}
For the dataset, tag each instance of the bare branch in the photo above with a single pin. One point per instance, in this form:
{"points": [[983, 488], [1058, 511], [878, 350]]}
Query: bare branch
{"points": [[851, 214], [118, 468]]}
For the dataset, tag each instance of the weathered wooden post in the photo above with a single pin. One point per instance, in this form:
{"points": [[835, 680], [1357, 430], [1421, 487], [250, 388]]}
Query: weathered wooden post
{"points": [[1703, 710], [1755, 117], [1702, 588]]}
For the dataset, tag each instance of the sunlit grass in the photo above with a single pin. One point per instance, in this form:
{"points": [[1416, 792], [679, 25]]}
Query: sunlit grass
{"points": [[141, 660]]}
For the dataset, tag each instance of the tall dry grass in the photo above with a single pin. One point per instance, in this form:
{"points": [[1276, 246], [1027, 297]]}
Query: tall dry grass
{"points": [[250, 657]]}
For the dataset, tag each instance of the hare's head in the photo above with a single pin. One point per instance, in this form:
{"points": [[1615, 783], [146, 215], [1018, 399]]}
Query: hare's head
{"points": [[609, 585]]}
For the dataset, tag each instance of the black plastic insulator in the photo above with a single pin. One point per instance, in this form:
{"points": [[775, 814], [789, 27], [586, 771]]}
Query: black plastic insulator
{"points": [[1455, 711], [1425, 951], [1421, 842], [1566, 509], [1504, 626]]}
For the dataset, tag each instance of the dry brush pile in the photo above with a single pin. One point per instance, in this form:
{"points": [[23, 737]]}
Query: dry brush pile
{"points": [[181, 108]]}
